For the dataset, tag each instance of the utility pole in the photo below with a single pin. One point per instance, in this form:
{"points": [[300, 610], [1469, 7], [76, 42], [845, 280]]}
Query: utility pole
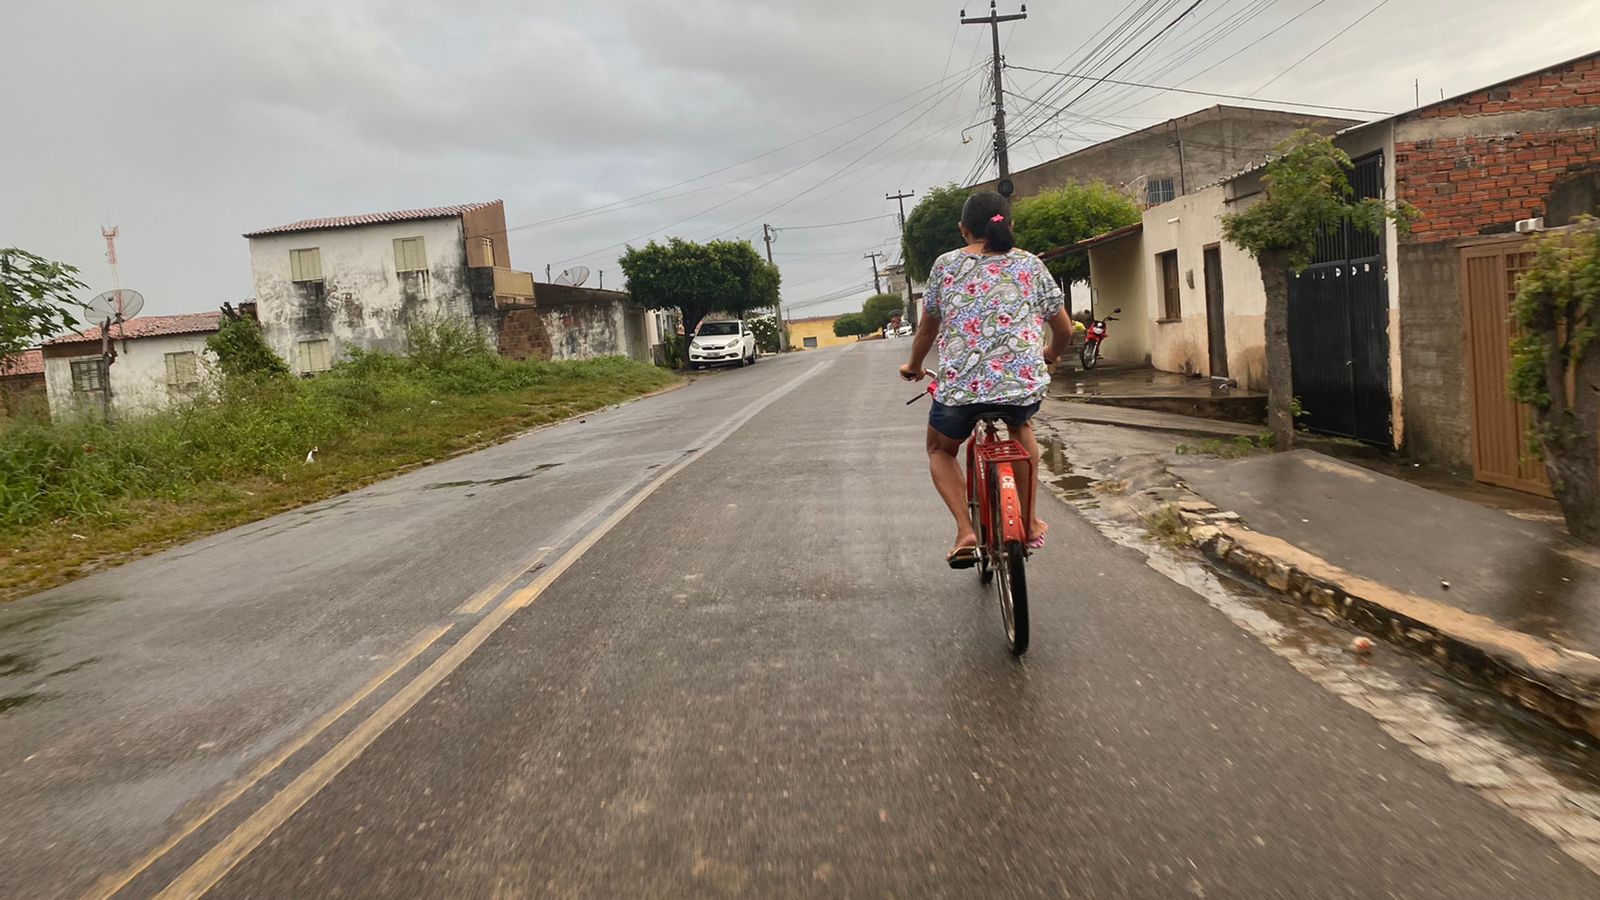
{"points": [[768, 236], [877, 285], [602, 279], [911, 308], [993, 20]]}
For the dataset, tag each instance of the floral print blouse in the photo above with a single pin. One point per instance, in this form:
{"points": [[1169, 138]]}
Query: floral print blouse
{"points": [[992, 312]]}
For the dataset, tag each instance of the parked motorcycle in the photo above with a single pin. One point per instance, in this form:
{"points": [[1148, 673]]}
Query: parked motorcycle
{"points": [[1093, 334]]}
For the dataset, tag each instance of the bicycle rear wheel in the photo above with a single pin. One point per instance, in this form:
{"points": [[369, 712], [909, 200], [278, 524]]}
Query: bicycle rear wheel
{"points": [[1012, 584]]}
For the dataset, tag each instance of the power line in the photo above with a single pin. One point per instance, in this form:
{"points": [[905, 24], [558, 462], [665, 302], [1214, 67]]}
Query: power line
{"points": [[1381, 5], [938, 97], [1114, 69], [1179, 90], [834, 224]]}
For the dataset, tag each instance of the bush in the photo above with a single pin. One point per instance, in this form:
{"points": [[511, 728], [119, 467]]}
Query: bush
{"points": [[242, 352], [438, 341]]}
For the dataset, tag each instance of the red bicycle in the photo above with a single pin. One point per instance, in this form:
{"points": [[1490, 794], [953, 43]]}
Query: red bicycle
{"points": [[995, 505]]}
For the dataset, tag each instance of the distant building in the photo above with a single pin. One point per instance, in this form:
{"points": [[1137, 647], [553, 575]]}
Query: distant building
{"points": [[21, 381], [326, 285], [1160, 163], [814, 332], [323, 285], [157, 359]]}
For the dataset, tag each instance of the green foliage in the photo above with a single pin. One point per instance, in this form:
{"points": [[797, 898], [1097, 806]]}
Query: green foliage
{"points": [[1167, 526], [1307, 191], [765, 329], [437, 342], [700, 279], [35, 294], [850, 325], [933, 228], [1068, 215], [1557, 311], [879, 309], [242, 352], [368, 415]]}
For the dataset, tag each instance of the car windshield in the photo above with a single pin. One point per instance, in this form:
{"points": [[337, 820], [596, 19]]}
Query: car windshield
{"points": [[716, 329]]}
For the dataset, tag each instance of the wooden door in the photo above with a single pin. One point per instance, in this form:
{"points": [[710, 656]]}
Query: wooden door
{"points": [[1216, 326], [1500, 454]]}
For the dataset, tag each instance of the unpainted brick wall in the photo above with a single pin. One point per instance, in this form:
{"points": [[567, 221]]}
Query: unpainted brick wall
{"points": [[1486, 181], [523, 335]]}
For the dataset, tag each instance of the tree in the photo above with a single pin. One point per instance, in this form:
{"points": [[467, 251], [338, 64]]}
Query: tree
{"points": [[35, 294], [1555, 370], [850, 325], [879, 309], [1068, 215], [700, 279], [765, 328], [933, 229], [1307, 192], [241, 350]]}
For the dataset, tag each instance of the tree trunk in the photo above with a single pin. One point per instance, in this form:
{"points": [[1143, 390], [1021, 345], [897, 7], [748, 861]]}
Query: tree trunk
{"points": [[1280, 376], [1572, 454]]}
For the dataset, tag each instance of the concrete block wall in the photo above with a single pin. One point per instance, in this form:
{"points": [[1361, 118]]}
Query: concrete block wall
{"points": [[1436, 403], [523, 335]]}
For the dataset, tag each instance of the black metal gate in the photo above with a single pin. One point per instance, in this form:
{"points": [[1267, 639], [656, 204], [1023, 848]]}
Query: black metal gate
{"points": [[1339, 327]]}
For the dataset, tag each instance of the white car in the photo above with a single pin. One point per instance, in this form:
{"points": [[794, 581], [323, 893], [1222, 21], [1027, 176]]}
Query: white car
{"points": [[722, 343]]}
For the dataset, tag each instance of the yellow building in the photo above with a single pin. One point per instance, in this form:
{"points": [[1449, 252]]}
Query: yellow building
{"points": [[815, 332]]}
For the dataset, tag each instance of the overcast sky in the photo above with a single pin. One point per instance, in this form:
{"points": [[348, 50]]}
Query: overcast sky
{"points": [[188, 123]]}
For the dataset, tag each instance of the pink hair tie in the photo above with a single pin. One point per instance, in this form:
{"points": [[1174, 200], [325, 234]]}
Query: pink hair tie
{"points": [[998, 218]]}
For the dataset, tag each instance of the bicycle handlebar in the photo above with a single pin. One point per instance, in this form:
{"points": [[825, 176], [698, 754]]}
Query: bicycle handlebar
{"points": [[933, 382]]}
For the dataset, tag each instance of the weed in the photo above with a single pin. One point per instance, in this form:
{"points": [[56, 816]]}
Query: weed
{"points": [[1167, 526], [235, 452], [1236, 448]]}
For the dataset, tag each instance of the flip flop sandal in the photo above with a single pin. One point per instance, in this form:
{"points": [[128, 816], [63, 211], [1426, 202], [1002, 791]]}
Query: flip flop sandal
{"points": [[1037, 541], [962, 557]]}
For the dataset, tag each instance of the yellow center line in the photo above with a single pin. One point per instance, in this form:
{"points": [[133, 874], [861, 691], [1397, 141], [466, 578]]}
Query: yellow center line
{"points": [[478, 601], [109, 885], [224, 856]]}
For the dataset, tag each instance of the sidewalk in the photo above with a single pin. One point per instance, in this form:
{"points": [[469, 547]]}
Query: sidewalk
{"points": [[1506, 599]]}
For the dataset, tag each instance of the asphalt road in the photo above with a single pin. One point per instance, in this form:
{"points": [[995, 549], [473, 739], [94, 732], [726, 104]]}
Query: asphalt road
{"points": [[701, 645]]}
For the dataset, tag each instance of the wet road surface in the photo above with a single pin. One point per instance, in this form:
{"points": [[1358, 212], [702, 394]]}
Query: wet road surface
{"points": [[749, 676]]}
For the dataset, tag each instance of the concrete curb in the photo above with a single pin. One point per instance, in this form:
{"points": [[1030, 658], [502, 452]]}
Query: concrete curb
{"points": [[1554, 681]]}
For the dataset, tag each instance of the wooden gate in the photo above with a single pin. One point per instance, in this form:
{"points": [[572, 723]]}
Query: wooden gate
{"points": [[1500, 453]]}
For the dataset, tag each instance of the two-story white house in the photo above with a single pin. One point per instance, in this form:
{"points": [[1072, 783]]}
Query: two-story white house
{"points": [[323, 285]]}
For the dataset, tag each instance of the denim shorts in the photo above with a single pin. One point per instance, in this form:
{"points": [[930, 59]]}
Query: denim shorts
{"points": [[958, 422]]}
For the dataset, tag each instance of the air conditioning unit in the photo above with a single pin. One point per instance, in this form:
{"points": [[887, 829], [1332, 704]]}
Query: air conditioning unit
{"points": [[1529, 226]]}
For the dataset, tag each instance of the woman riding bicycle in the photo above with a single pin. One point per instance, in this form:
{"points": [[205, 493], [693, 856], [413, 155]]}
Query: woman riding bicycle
{"points": [[986, 307]]}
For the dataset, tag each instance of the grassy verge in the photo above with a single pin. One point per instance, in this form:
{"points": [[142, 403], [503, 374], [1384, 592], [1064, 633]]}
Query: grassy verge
{"points": [[77, 497]]}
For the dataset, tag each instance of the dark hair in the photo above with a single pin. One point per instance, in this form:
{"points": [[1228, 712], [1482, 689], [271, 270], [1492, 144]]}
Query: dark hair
{"points": [[988, 215]]}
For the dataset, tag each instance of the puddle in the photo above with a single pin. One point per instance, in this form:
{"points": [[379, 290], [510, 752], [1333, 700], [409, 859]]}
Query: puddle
{"points": [[507, 479]]}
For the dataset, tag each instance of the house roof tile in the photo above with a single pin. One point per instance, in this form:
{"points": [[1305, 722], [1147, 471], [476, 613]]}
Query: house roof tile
{"points": [[28, 362], [402, 215], [147, 326]]}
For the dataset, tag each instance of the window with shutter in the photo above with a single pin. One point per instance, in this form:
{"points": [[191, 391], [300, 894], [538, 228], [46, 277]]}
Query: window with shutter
{"points": [[409, 255], [305, 265], [183, 370], [314, 356], [486, 250], [88, 375], [1171, 300], [1158, 191]]}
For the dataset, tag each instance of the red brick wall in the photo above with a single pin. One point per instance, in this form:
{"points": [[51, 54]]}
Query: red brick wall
{"points": [[1484, 183]]}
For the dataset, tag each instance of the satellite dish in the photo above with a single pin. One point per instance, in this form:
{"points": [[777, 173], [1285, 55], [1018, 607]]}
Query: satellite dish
{"points": [[121, 304], [574, 276]]}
